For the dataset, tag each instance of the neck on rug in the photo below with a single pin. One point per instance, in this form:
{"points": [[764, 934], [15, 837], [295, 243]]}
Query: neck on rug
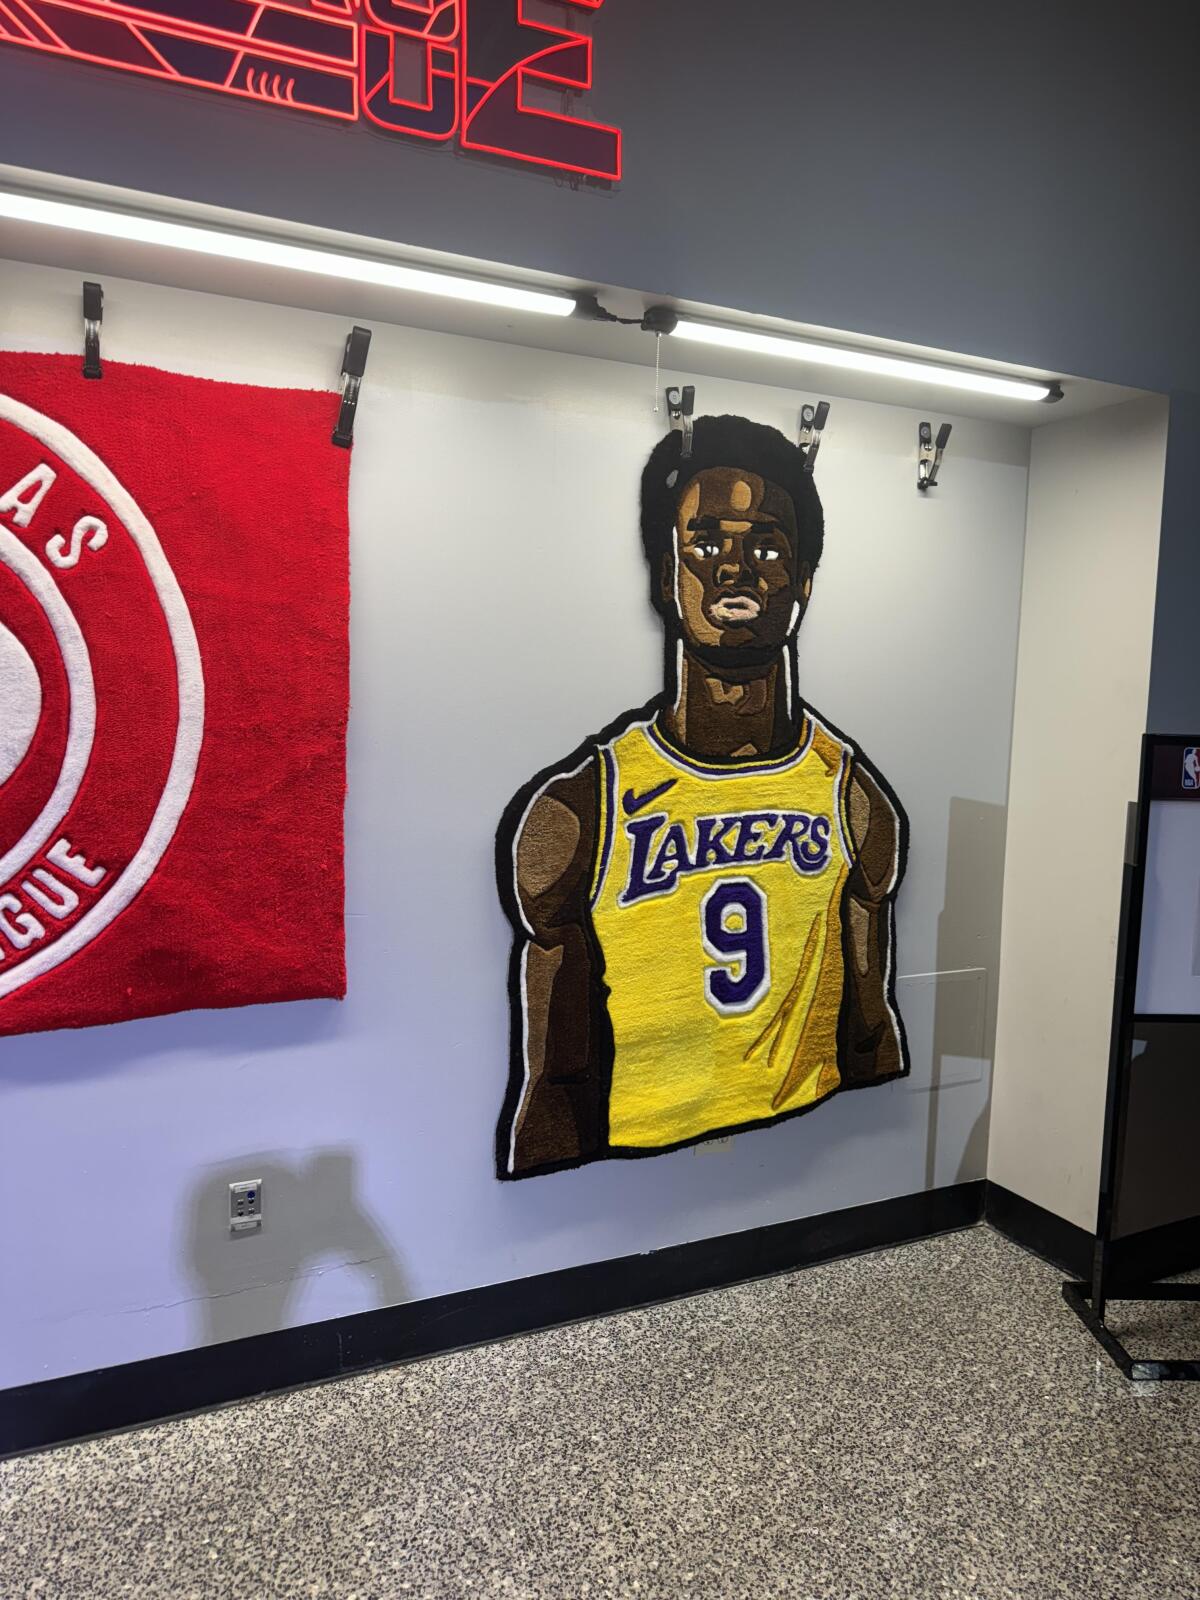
{"points": [[723, 711]]}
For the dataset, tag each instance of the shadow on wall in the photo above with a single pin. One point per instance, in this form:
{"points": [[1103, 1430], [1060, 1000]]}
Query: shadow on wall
{"points": [[968, 962], [313, 1222]]}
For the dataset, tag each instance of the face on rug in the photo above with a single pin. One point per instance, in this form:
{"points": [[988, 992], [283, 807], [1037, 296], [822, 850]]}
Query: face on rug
{"points": [[736, 580]]}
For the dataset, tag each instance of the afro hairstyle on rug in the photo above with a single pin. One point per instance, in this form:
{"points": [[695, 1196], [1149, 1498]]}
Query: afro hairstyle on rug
{"points": [[724, 442]]}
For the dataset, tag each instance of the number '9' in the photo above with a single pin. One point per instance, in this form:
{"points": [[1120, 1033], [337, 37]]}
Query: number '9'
{"points": [[733, 928]]}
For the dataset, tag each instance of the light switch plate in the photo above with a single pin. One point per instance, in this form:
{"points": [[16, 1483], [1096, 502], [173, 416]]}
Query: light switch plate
{"points": [[245, 1205]]}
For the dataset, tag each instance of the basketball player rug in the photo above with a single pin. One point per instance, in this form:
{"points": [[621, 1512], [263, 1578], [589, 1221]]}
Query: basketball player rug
{"points": [[173, 694], [702, 895]]}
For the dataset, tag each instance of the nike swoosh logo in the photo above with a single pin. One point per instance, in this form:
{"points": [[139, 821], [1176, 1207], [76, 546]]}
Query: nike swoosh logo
{"points": [[632, 802]]}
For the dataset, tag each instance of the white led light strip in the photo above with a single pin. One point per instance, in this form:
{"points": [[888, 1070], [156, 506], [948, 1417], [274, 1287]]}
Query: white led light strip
{"points": [[832, 355], [274, 253], [143, 229]]}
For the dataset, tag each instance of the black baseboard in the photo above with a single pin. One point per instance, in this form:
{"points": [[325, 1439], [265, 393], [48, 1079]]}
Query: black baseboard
{"points": [[75, 1407], [1137, 1259], [1043, 1232]]}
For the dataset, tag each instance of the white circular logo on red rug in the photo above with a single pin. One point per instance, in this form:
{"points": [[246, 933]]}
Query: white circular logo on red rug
{"points": [[101, 697], [22, 703]]}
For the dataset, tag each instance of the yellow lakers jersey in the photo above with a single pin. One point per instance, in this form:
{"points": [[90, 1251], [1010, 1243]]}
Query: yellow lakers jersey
{"points": [[716, 900]]}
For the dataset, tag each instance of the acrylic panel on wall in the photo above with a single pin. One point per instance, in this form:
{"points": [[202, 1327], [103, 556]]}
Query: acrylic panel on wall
{"points": [[702, 895], [174, 604]]}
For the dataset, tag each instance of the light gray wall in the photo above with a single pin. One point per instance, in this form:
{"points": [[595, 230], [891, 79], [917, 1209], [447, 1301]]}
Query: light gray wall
{"points": [[1013, 181], [372, 1122], [1087, 618], [1174, 665]]}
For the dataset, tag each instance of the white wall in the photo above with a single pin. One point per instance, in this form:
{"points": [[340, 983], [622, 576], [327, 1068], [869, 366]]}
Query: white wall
{"points": [[1087, 613], [506, 480]]}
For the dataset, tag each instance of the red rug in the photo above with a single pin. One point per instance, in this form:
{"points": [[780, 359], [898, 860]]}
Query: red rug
{"points": [[174, 610]]}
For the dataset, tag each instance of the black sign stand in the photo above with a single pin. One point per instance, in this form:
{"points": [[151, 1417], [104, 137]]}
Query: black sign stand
{"points": [[1089, 1301]]}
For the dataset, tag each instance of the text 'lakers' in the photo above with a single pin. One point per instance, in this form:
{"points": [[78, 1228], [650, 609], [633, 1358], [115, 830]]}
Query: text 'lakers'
{"points": [[661, 852]]}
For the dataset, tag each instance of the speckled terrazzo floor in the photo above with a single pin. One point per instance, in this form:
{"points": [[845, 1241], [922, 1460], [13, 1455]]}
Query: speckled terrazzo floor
{"points": [[929, 1421]]}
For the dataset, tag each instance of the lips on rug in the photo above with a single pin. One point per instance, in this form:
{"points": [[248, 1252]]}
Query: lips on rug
{"points": [[174, 609], [702, 895]]}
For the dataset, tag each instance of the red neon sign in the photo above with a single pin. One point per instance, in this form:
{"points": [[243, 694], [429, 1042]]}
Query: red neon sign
{"points": [[477, 70]]}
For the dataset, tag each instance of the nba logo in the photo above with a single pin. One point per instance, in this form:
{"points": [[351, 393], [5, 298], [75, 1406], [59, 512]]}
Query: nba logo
{"points": [[1191, 767]]}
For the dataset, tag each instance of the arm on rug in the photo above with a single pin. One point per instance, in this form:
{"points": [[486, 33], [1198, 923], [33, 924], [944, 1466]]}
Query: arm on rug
{"points": [[873, 1045], [559, 1117]]}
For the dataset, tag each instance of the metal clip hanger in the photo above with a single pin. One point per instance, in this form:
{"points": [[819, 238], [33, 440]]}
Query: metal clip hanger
{"points": [[93, 316], [354, 364], [929, 453], [812, 426], [680, 405]]}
